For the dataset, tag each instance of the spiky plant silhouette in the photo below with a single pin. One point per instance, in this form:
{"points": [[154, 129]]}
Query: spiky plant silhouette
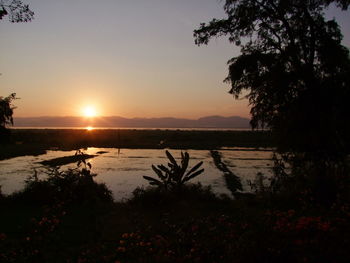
{"points": [[174, 176]]}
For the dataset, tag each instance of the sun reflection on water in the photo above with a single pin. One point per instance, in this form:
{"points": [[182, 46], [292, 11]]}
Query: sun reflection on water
{"points": [[89, 128]]}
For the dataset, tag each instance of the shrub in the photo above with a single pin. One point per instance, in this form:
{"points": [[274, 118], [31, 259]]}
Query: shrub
{"points": [[174, 176], [71, 186], [233, 182], [158, 196]]}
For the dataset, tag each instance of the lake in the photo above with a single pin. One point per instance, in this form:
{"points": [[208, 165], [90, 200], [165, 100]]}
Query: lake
{"points": [[122, 169], [125, 128]]}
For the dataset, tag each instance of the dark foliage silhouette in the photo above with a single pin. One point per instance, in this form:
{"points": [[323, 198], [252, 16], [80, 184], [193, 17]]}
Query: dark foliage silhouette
{"points": [[6, 112], [16, 11], [72, 186], [297, 77], [233, 182], [175, 175], [294, 68]]}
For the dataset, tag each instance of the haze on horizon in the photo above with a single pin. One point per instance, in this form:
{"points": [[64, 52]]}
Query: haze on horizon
{"points": [[122, 58]]}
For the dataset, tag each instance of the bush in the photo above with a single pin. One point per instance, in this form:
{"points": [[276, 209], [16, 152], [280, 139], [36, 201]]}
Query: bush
{"points": [[71, 186], [160, 196]]}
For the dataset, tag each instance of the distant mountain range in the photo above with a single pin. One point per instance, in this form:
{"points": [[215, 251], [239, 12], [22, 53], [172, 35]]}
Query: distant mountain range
{"points": [[116, 121]]}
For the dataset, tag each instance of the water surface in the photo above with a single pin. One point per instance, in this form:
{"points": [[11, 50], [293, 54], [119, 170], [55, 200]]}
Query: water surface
{"points": [[122, 169]]}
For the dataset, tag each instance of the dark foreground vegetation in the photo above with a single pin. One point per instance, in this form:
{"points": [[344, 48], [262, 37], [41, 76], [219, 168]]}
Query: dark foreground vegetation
{"points": [[32, 142], [296, 74], [68, 217]]}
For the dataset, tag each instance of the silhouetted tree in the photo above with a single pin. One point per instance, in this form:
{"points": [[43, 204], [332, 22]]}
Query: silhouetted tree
{"points": [[295, 71], [294, 67], [6, 112], [16, 11]]}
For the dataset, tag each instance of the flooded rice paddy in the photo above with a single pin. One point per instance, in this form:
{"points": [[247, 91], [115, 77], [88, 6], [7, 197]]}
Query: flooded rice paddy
{"points": [[122, 169]]}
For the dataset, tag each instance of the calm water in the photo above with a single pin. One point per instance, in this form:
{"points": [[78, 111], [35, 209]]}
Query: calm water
{"points": [[122, 170], [129, 128]]}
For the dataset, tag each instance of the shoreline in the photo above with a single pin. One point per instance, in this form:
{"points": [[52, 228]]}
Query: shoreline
{"points": [[37, 141], [131, 128]]}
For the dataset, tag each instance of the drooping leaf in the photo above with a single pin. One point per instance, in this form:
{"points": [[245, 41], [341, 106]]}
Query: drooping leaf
{"points": [[171, 166], [163, 168], [187, 178], [155, 183], [164, 175], [158, 172], [194, 168], [171, 158], [152, 180], [184, 161]]}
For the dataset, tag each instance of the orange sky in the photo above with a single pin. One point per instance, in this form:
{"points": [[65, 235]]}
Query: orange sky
{"points": [[125, 58]]}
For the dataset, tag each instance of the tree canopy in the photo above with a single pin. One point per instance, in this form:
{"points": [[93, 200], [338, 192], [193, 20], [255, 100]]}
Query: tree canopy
{"points": [[293, 66], [16, 11], [6, 110]]}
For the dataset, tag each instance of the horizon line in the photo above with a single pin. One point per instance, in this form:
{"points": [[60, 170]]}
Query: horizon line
{"points": [[109, 116]]}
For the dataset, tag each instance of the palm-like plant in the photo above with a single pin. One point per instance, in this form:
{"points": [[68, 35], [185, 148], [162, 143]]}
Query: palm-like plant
{"points": [[175, 175]]}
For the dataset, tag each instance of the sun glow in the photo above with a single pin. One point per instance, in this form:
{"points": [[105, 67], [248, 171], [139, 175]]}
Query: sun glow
{"points": [[89, 111]]}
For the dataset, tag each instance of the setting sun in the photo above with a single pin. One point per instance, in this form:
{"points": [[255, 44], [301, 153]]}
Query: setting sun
{"points": [[89, 111]]}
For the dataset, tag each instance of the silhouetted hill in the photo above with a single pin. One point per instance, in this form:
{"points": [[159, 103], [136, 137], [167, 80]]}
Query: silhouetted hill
{"points": [[219, 121], [116, 121]]}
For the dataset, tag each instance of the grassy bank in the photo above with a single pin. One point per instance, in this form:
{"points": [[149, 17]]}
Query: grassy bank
{"points": [[36, 141]]}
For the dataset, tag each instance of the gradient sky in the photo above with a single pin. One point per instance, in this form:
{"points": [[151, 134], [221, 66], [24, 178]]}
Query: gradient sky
{"points": [[131, 58]]}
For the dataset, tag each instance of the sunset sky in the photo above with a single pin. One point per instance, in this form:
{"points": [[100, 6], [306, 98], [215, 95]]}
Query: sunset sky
{"points": [[131, 58]]}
